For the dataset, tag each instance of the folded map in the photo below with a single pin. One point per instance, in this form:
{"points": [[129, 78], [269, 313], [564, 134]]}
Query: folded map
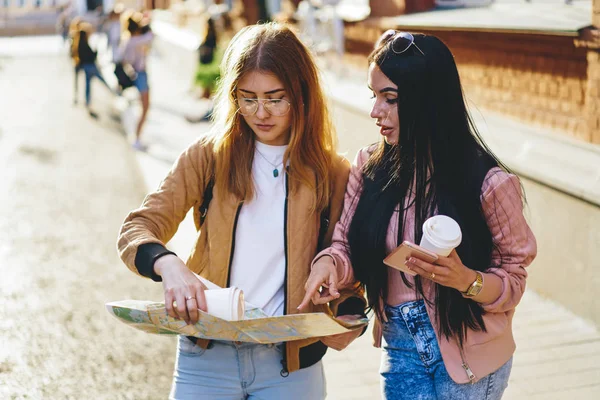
{"points": [[256, 327]]}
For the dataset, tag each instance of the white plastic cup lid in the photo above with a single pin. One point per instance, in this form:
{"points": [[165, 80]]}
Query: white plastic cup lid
{"points": [[442, 231]]}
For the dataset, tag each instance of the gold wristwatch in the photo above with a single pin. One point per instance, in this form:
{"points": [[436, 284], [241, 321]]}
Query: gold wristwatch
{"points": [[475, 287]]}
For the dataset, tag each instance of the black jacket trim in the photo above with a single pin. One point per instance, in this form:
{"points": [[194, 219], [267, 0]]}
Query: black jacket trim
{"points": [[146, 256]]}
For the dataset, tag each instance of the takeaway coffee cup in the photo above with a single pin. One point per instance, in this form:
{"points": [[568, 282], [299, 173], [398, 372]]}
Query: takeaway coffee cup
{"points": [[441, 234], [227, 304]]}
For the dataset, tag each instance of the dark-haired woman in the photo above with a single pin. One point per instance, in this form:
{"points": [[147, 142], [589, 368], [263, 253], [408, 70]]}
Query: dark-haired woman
{"points": [[445, 333], [87, 62]]}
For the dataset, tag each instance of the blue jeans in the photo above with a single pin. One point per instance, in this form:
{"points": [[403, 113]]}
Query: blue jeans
{"points": [[76, 83], [412, 366], [229, 370], [91, 71], [141, 82]]}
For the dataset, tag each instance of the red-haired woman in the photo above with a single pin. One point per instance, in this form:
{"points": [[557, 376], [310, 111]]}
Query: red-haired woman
{"points": [[271, 157]]}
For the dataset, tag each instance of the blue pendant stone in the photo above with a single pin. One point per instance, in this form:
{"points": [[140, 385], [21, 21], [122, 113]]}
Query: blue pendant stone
{"points": [[275, 173]]}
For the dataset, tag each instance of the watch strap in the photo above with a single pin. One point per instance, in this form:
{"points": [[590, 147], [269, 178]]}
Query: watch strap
{"points": [[475, 287]]}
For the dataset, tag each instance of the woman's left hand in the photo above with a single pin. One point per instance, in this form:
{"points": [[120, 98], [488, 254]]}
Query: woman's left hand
{"points": [[447, 271]]}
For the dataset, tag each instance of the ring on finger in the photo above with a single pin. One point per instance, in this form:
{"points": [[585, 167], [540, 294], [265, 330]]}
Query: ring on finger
{"points": [[190, 298], [432, 275]]}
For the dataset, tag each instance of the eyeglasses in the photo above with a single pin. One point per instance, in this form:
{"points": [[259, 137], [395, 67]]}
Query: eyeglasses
{"points": [[276, 107], [401, 41]]}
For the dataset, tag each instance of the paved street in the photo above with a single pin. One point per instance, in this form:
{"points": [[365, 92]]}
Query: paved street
{"points": [[69, 180], [67, 183]]}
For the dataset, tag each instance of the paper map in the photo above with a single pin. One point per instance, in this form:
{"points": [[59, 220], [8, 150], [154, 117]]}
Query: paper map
{"points": [[256, 327]]}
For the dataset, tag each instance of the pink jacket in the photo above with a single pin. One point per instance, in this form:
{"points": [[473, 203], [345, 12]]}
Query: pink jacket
{"points": [[483, 352]]}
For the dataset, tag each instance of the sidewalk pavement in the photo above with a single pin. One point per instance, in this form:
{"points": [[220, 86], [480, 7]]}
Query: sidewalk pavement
{"points": [[558, 353]]}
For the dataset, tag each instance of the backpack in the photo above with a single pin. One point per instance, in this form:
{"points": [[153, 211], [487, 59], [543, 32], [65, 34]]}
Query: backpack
{"points": [[124, 79]]}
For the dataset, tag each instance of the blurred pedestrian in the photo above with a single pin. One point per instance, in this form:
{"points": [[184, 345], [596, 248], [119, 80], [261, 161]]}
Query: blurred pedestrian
{"points": [[208, 46], [114, 30], [206, 53], [74, 27], [134, 52], [63, 20], [446, 333], [270, 172], [87, 62]]}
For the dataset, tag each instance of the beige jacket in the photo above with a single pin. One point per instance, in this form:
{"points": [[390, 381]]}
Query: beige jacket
{"points": [[157, 220]]}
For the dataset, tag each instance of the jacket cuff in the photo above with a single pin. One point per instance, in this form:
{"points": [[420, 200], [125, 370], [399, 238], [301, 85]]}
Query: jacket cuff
{"points": [[345, 276], [146, 256]]}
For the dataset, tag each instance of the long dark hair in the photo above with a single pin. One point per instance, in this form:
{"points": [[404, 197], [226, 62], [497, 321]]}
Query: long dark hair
{"points": [[83, 44], [442, 159]]}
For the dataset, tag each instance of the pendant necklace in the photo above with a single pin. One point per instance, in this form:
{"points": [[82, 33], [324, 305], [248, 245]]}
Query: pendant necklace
{"points": [[275, 166]]}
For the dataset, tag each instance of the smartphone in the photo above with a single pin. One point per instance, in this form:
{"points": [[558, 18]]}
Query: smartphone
{"points": [[405, 251]]}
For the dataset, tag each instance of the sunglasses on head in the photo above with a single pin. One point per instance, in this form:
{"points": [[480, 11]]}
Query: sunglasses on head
{"points": [[401, 41]]}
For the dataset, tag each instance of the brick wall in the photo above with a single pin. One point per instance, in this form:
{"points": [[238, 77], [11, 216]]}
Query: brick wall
{"points": [[386, 8], [593, 85], [593, 96], [539, 79]]}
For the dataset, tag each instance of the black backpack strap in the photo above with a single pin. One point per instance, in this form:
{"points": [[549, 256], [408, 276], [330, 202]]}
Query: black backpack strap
{"points": [[208, 194], [323, 226]]}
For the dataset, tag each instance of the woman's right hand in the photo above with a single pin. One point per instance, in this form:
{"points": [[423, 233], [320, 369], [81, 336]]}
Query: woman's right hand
{"points": [[181, 287]]}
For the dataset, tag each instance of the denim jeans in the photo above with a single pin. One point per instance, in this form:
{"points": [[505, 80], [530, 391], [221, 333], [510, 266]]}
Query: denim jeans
{"points": [[229, 370], [412, 366], [141, 82], [91, 71]]}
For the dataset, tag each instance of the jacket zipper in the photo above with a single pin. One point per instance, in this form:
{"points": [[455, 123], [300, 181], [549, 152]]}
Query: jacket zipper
{"points": [[235, 221], [284, 370], [466, 367]]}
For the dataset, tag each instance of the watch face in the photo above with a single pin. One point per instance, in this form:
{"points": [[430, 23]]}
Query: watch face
{"points": [[475, 289], [476, 286]]}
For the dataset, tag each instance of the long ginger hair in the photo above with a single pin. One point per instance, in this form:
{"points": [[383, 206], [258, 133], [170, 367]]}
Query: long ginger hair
{"points": [[273, 48]]}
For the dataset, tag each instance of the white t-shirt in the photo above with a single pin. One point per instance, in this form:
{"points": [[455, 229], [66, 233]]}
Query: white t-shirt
{"points": [[258, 266]]}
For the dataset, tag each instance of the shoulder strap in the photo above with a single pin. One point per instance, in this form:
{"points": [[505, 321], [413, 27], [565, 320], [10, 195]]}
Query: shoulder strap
{"points": [[323, 226], [208, 194], [324, 220]]}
